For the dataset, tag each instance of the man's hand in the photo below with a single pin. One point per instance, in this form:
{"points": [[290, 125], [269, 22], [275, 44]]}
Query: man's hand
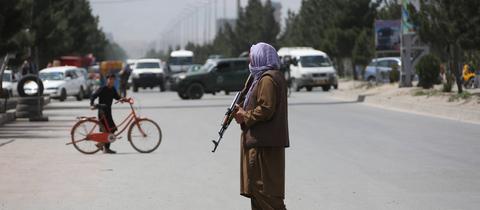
{"points": [[239, 114], [92, 107], [122, 100]]}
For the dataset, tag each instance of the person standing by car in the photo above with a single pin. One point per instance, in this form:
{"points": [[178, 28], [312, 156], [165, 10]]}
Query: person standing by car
{"points": [[106, 94], [28, 67], [263, 119], [124, 75]]}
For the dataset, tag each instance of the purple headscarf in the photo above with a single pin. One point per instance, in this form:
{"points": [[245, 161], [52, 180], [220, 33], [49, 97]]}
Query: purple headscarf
{"points": [[263, 57]]}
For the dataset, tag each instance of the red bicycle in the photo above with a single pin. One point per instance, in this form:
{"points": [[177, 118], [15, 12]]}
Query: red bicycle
{"points": [[143, 134]]}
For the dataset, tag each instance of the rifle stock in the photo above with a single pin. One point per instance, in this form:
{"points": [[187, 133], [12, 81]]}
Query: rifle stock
{"points": [[231, 111]]}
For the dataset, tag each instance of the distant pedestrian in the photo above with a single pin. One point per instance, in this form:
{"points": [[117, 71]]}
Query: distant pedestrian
{"points": [[263, 119], [28, 67], [124, 75]]}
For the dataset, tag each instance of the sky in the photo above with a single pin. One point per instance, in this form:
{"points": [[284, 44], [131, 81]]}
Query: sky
{"points": [[138, 25]]}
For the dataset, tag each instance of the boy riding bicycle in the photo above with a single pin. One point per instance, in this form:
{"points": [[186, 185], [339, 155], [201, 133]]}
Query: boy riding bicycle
{"points": [[106, 94]]}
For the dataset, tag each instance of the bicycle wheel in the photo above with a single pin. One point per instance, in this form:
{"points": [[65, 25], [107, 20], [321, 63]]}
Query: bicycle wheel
{"points": [[79, 136], [146, 136]]}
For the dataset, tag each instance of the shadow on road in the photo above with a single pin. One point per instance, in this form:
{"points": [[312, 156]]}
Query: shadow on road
{"points": [[7, 142]]}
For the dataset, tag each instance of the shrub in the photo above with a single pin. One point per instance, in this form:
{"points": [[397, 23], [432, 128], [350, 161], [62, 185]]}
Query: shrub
{"points": [[428, 70], [394, 74]]}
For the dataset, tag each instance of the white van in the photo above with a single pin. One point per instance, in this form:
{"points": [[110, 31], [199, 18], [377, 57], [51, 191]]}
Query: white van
{"points": [[310, 68], [180, 61]]}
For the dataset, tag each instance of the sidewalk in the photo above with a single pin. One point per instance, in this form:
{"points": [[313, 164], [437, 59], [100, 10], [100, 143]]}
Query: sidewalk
{"points": [[414, 100], [9, 115]]}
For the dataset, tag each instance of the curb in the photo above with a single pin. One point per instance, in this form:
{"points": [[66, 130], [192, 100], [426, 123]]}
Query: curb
{"points": [[451, 113], [7, 117]]}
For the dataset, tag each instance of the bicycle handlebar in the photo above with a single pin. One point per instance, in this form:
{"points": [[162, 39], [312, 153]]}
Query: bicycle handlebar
{"points": [[128, 100]]}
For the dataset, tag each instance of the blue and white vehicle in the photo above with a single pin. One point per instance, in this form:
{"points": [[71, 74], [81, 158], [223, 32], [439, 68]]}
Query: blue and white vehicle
{"points": [[379, 69]]}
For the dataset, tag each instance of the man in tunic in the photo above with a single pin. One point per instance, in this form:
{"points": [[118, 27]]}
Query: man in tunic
{"points": [[263, 118]]}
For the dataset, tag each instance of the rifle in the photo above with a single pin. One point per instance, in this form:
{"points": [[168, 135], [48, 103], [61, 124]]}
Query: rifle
{"points": [[231, 111]]}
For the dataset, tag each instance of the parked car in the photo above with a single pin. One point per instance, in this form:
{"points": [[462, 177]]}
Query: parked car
{"points": [[61, 82], [148, 73], [380, 69], [309, 68], [225, 74], [9, 82]]}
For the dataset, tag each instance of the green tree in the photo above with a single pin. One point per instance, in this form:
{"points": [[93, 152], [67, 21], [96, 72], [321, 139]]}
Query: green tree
{"points": [[452, 28], [391, 10], [66, 27], [113, 51], [363, 50], [256, 23], [331, 26], [14, 32]]}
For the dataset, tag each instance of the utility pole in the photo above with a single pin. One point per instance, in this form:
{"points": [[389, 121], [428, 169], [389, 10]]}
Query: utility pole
{"points": [[205, 25], [215, 18], [239, 7], [412, 48], [209, 20]]}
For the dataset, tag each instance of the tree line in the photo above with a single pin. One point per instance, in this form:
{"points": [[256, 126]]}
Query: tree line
{"points": [[341, 28], [46, 30], [345, 30], [451, 29]]}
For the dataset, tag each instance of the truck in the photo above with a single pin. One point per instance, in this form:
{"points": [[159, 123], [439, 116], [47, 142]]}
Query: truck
{"points": [[148, 73]]}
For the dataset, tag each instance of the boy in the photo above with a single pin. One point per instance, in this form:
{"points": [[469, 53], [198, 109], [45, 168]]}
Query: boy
{"points": [[106, 94]]}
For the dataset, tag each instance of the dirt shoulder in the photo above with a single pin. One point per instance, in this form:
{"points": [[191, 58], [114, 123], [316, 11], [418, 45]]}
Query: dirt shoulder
{"points": [[433, 102]]}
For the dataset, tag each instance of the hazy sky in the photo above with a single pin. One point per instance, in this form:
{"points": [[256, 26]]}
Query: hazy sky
{"points": [[134, 23]]}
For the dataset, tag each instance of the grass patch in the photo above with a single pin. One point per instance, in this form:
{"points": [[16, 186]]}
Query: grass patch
{"points": [[465, 95], [419, 93], [427, 93]]}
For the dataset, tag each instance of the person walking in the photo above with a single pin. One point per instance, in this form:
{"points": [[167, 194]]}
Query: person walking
{"points": [[263, 118], [106, 94], [124, 75]]}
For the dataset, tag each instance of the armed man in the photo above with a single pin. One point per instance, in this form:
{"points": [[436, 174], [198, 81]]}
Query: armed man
{"points": [[263, 119]]}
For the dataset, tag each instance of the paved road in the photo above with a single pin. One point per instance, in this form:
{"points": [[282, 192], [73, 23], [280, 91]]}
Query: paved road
{"points": [[344, 155]]}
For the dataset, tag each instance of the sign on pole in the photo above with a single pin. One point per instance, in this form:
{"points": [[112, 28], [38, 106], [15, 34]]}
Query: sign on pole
{"points": [[387, 35]]}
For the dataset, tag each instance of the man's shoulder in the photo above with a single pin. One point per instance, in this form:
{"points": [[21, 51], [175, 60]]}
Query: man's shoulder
{"points": [[273, 75]]}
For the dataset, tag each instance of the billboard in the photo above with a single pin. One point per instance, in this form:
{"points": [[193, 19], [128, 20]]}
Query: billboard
{"points": [[387, 35], [407, 25]]}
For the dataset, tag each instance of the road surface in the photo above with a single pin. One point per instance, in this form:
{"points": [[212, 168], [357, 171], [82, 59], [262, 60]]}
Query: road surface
{"points": [[343, 155]]}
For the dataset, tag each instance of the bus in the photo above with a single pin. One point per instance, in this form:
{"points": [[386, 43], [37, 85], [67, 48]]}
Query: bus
{"points": [[180, 61]]}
